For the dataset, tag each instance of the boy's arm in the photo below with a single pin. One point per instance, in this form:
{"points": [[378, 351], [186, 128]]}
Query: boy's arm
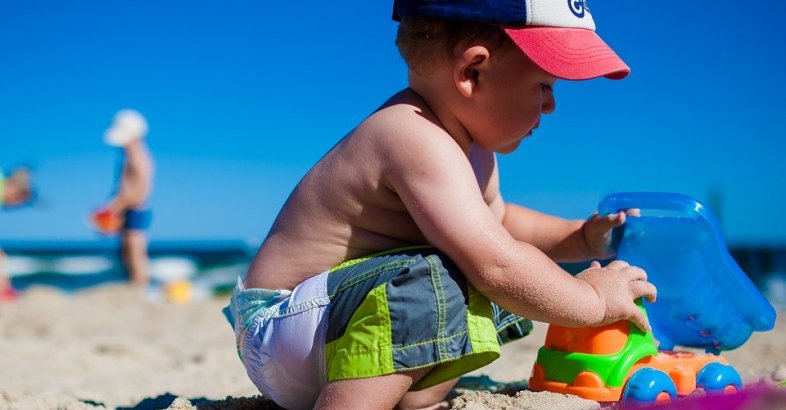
{"points": [[433, 178], [565, 240], [561, 239]]}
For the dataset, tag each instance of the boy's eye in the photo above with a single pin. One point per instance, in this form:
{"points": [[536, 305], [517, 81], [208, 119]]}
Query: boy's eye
{"points": [[545, 87]]}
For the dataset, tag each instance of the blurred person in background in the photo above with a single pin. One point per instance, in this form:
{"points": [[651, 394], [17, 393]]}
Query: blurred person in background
{"points": [[15, 190], [127, 212]]}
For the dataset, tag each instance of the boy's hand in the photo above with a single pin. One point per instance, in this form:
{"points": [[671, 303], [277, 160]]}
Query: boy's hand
{"points": [[597, 231], [617, 286]]}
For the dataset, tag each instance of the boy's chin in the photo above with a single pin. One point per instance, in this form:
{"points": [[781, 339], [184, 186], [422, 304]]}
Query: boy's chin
{"points": [[507, 149]]}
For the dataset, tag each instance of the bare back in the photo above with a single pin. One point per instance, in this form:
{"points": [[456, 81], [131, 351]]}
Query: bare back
{"points": [[345, 207]]}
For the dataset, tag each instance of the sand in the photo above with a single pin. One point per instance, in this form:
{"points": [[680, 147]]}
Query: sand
{"points": [[110, 347]]}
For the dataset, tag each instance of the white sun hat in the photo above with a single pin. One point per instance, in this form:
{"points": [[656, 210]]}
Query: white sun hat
{"points": [[127, 126]]}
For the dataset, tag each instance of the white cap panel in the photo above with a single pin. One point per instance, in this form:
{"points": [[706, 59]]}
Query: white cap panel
{"points": [[559, 13]]}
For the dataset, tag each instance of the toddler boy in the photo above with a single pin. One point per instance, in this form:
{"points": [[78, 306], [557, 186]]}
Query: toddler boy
{"points": [[395, 266]]}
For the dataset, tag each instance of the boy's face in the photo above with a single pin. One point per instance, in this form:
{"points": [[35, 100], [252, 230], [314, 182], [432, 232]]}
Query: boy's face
{"points": [[512, 95]]}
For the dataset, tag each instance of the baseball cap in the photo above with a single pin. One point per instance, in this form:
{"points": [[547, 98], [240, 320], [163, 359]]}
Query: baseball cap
{"points": [[558, 35], [127, 126]]}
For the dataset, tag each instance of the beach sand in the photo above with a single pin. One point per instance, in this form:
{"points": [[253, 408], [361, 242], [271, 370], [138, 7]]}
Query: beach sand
{"points": [[111, 347]]}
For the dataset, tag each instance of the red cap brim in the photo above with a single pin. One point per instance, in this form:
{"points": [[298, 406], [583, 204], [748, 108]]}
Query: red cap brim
{"points": [[569, 53]]}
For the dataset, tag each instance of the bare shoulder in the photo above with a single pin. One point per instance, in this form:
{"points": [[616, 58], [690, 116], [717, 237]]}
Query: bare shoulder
{"points": [[406, 116], [405, 132]]}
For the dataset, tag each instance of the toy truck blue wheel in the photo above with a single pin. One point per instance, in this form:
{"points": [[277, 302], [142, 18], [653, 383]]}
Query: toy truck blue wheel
{"points": [[646, 385], [716, 377]]}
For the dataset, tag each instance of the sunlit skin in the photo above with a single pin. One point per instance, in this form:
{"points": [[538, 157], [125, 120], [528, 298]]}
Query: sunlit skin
{"points": [[505, 105], [421, 170]]}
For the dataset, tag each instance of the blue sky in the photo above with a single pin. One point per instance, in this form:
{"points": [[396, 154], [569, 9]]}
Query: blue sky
{"points": [[243, 97]]}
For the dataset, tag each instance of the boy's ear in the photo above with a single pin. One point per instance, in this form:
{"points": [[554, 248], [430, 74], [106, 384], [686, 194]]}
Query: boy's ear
{"points": [[468, 67]]}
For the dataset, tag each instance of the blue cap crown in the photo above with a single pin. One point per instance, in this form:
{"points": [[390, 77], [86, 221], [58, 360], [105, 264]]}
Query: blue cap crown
{"points": [[503, 12]]}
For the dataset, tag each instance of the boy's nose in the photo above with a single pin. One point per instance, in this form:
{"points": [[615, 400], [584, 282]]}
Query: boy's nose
{"points": [[549, 104]]}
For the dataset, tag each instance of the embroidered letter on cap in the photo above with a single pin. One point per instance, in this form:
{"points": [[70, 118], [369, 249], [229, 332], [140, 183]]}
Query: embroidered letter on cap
{"points": [[578, 7]]}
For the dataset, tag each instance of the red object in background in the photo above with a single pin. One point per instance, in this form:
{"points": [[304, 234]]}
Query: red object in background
{"points": [[8, 294], [107, 222]]}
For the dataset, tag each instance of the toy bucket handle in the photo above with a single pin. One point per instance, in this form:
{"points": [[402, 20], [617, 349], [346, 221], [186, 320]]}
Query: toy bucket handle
{"points": [[659, 201], [662, 201]]}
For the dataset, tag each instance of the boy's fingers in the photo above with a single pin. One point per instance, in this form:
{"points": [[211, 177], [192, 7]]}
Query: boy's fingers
{"points": [[635, 273], [642, 288], [617, 265], [595, 264], [613, 220], [639, 319], [618, 218]]}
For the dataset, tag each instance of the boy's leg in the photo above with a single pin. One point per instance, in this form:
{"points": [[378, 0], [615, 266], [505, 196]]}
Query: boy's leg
{"points": [[135, 259], [380, 392], [429, 398]]}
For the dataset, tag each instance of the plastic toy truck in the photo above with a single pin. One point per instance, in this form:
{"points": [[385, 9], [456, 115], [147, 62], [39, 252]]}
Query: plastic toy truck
{"points": [[704, 301]]}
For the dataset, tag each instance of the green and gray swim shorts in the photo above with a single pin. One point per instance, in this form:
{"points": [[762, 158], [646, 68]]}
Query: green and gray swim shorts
{"points": [[392, 312]]}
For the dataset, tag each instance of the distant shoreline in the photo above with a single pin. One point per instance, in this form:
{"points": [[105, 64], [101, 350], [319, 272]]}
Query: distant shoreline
{"points": [[110, 245]]}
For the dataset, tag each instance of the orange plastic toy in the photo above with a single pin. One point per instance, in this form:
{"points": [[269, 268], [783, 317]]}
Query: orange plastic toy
{"points": [[705, 301], [106, 222], [620, 362]]}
